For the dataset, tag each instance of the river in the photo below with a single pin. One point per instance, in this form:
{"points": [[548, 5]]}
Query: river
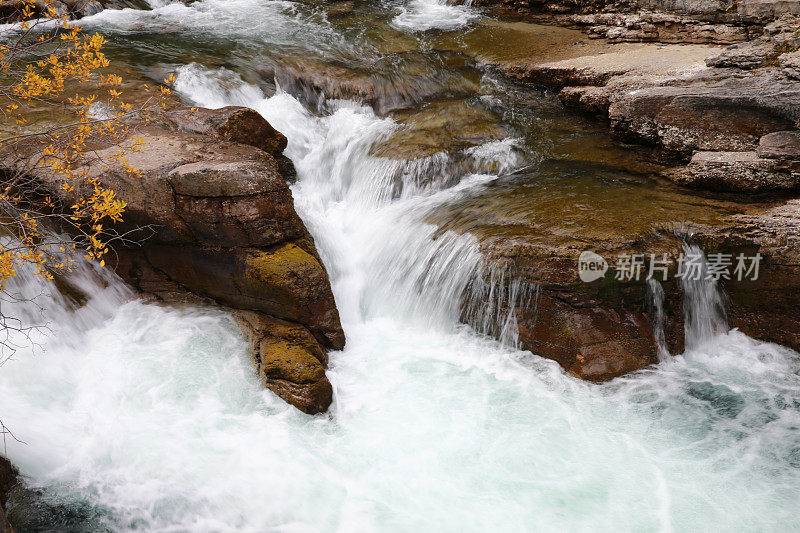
{"points": [[137, 416]]}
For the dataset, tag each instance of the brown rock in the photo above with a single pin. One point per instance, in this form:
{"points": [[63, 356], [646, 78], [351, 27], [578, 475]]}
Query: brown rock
{"points": [[289, 361], [235, 124], [765, 308], [780, 145], [232, 123], [8, 479], [727, 115], [790, 63], [595, 331], [340, 8], [216, 218], [736, 172]]}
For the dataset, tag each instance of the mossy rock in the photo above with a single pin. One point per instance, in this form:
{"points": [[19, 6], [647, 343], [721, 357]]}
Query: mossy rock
{"points": [[291, 362], [289, 274]]}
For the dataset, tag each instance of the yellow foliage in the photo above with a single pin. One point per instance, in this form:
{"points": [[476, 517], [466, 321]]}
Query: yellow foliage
{"points": [[40, 58]]}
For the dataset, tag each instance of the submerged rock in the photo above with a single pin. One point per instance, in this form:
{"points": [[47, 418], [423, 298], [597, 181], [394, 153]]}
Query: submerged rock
{"points": [[389, 83], [441, 126]]}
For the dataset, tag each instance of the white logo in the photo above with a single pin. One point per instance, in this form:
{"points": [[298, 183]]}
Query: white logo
{"points": [[591, 266]]}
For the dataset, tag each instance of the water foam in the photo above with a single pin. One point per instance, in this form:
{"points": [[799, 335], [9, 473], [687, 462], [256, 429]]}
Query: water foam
{"points": [[153, 416], [424, 15]]}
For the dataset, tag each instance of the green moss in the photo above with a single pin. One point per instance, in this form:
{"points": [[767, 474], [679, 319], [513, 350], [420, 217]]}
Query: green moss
{"points": [[609, 290]]}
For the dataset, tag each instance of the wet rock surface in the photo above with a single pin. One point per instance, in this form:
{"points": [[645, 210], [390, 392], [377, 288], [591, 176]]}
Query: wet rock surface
{"points": [[764, 308], [595, 331], [730, 114], [9, 478], [289, 361]]}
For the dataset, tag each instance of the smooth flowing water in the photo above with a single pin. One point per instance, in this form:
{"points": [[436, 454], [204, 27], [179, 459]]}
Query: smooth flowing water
{"points": [[138, 416]]}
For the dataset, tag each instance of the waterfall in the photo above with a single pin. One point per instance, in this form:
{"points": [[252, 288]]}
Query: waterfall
{"points": [[655, 294], [494, 298], [143, 417], [703, 302]]}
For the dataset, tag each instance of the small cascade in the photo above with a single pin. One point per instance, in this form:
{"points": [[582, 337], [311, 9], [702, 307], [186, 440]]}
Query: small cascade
{"points": [[703, 302], [655, 300], [492, 301], [375, 208], [424, 15], [143, 417]]}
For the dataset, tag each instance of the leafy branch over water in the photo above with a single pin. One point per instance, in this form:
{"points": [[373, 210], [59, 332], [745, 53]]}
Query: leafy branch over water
{"points": [[60, 104]]}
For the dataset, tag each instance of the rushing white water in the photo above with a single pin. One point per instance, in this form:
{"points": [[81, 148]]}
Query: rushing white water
{"points": [[153, 417], [655, 294], [424, 15], [703, 304]]}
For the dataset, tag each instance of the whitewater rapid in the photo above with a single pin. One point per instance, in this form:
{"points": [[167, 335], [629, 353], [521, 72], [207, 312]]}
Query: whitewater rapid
{"points": [[138, 416]]}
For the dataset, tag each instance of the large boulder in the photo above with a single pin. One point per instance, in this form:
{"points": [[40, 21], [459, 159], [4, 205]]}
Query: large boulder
{"points": [[596, 331], [729, 114], [210, 214]]}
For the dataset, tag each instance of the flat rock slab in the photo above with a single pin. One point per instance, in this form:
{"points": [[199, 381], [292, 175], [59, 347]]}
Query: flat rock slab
{"points": [[619, 60], [780, 145], [736, 171]]}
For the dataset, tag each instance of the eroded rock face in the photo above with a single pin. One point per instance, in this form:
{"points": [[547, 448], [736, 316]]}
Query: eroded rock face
{"points": [[766, 308], [605, 328], [596, 331], [211, 215]]}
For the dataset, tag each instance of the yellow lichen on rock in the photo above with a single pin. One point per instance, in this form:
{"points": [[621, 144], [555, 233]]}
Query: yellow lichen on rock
{"points": [[281, 359]]}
